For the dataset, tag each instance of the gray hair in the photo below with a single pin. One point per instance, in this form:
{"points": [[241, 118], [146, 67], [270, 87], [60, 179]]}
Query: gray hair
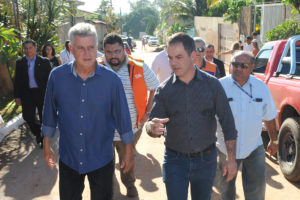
{"points": [[243, 53], [200, 40], [83, 29]]}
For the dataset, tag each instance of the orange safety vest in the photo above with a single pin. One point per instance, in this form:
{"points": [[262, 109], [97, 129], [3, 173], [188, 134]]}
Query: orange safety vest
{"points": [[138, 84], [208, 67]]}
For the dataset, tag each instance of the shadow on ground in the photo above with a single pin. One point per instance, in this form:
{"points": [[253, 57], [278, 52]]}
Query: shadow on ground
{"points": [[25, 174]]}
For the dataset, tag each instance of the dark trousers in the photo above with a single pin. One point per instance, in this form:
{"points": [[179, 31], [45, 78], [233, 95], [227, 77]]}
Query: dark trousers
{"points": [[71, 183], [32, 100]]}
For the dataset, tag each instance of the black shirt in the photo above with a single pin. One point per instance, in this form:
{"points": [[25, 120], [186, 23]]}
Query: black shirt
{"points": [[192, 109]]}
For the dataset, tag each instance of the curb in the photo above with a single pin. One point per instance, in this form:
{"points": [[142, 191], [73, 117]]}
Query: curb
{"points": [[10, 126]]}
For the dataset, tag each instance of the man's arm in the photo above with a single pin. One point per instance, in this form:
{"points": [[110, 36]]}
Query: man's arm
{"points": [[272, 146], [230, 167], [128, 160], [48, 153], [148, 107]]}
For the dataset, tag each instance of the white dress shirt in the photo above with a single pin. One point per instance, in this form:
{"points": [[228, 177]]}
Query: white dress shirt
{"points": [[248, 113], [66, 57], [161, 66]]}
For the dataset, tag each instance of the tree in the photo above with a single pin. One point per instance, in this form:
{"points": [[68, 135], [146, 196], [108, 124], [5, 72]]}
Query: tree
{"points": [[284, 30], [294, 3], [106, 13], [142, 18]]}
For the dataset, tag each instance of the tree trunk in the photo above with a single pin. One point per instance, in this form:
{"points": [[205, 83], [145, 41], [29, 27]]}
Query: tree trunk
{"points": [[6, 84]]}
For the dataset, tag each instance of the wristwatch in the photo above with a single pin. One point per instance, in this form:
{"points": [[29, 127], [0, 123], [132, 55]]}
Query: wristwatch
{"points": [[275, 142]]}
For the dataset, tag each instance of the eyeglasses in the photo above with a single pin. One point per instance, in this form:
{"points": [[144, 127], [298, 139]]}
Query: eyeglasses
{"points": [[238, 64], [200, 49], [116, 52]]}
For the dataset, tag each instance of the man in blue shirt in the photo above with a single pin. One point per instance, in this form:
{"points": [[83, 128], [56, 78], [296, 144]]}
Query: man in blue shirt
{"points": [[87, 102]]}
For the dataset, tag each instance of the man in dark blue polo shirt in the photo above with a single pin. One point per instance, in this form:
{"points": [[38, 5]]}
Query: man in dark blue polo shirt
{"points": [[87, 102], [187, 104]]}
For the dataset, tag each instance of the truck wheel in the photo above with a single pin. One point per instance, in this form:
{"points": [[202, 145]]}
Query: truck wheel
{"points": [[289, 148]]}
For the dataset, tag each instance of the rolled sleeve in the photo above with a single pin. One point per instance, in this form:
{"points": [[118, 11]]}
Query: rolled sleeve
{"points": [[48, 131], [127, 137]]}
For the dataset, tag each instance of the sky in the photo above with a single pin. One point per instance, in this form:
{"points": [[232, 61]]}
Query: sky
{"points": [[92, 5]]}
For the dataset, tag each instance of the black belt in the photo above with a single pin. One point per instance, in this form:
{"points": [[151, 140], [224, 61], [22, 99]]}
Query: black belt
{"points": [[206, 151]]}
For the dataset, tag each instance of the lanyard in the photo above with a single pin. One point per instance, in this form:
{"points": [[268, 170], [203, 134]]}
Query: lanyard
{"points": [[242, 89]]}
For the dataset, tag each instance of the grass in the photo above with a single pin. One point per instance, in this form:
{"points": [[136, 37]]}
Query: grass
{"points": [[8, 108]]}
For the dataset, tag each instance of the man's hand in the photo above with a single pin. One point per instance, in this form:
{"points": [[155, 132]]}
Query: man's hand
{"points": [[127, 162], [272, 148], [48, 153], [156, 127], [18, 102], [230, 169]]}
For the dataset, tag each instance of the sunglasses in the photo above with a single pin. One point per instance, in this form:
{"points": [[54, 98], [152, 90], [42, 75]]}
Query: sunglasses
{"points": [[200, 49], [238, 64]]}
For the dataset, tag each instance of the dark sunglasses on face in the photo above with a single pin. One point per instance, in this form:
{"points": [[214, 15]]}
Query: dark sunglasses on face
{"points": [[238, 64], [200, 49]]}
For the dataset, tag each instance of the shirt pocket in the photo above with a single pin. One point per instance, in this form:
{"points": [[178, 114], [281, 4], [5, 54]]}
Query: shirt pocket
{"points": [[257, 109], [234, 106]]}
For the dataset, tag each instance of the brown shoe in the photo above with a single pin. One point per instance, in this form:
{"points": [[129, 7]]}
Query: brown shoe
{"points": [[132, 192]]}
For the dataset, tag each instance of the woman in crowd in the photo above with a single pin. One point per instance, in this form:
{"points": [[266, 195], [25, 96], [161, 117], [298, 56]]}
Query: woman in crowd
{"points": [[48, 51]]}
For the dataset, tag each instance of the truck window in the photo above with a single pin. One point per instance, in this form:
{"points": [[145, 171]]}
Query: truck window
{"points": [[286, 63], [262, 60]]}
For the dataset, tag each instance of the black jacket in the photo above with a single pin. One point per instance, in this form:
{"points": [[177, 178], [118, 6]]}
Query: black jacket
{"points": [[220, 65], [42, 70]]}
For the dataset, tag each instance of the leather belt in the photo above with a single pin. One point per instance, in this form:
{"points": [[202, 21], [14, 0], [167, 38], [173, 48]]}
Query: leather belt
{"points": [[206, 151]]}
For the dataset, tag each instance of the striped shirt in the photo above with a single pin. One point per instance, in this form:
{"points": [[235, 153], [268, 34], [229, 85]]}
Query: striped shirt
{"points": [[151, 82]]}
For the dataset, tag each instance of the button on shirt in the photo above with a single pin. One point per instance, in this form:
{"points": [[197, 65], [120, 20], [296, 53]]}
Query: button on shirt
{"points": [[87, 113], [31, 65], [248, 113], [191, 109]]}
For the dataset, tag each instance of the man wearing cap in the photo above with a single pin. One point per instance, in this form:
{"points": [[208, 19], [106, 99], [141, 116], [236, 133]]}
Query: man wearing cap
{"points": [[251, 103]]}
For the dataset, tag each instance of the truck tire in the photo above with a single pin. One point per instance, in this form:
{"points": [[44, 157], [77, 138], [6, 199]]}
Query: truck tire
{"points": [[289, 148]]}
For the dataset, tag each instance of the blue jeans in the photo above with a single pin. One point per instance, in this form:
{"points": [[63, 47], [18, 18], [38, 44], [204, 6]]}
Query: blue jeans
{"points": [[253, 176], [179, 171]]}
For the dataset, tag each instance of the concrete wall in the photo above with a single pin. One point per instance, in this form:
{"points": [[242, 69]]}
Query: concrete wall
{"points": [[214, 30]]}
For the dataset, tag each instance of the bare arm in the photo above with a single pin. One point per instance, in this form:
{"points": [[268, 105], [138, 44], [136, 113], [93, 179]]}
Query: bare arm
{"points": [[127, 162], [230, 167], [148, 107], [48, 153], [272, 146]]}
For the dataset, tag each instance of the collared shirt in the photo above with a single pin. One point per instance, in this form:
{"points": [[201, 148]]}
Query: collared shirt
{"points": [[151, 83], [191, 109], [161, 66], [87, 114], [248, 113], [66, 57], [31, 66]]}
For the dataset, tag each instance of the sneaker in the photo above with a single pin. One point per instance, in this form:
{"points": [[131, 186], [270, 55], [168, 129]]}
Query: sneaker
{"points": [[132, 192]]}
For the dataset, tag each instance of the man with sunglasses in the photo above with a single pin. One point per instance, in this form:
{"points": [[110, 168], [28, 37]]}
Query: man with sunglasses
{"points": [[137, 79], [200, 62], [251, 103]]}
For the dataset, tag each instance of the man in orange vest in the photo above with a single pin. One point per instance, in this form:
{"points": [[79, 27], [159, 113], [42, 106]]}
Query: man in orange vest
{"points": [[137, 79], [199, 60]]}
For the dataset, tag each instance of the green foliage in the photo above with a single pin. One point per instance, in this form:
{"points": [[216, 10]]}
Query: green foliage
{"points": [[218, 9], [43, 18], [140, 19], [175, 28], [106, 13], [234, 11], [294, 3], [10, 47], [284, 30]]}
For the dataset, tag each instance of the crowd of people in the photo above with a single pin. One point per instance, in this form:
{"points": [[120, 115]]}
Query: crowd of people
{"points": [[100, 102]]}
